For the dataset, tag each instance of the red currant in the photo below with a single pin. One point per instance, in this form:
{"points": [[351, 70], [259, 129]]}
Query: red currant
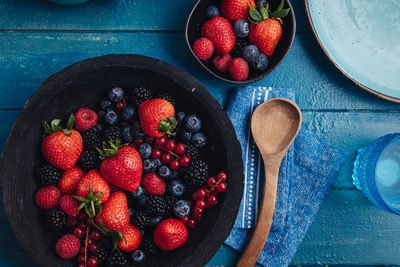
{"points": [[89, 221], [93, 247], [185, 160], [200, 204], [94, 235], [211, 181], [149, 140], [222, 176], [180, 148], [211, 200], [81, 259], [156, 153], [82, 226], [82, 216], [78, 232], [82, 250], [160, 141], [221, 187], [71, 222], [81, 265], [165, 158], [170, 145], [138, 142], [197, 216], [89, 242], [174, 164], [198, 211], [92, 262], [120, 105], [185, 219], [201, 193], [195, 197], [191, 223]]}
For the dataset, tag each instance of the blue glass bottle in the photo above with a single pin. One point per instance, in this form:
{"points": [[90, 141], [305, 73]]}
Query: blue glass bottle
{"points": [[377, 172]]}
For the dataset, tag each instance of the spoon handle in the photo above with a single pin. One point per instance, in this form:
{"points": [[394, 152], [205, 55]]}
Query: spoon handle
{"points": [[265, 215]]}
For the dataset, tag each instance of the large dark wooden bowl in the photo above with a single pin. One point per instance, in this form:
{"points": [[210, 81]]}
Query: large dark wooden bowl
{"points": [[84, 84]]}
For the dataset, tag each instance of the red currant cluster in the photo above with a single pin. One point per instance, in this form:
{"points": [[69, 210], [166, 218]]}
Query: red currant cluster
{"points": [[206, 197]]}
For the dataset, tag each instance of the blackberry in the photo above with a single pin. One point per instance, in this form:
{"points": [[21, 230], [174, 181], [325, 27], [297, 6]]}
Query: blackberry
{"points": [[237, 49], [148, 246], [195, 175], [140, 219], [192, 152], [89, 160], [139, 95], [117, 258], [156, 205], [47, 174], [170, 200], [90, 138], [167, 97], [55, 219], [101, 253], [111, 133]]}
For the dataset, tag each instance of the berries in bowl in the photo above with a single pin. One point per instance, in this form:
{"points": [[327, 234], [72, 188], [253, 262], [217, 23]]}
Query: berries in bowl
{"points": [[147, 169], [240, 41]]}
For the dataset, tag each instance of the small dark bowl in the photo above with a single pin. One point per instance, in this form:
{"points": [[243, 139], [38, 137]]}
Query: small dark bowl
{"points": [[197, 17], [85, 84]]}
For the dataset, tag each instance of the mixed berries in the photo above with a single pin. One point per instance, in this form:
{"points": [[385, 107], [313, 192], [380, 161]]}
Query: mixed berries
{"points": [[125, 182], [242, 34]]}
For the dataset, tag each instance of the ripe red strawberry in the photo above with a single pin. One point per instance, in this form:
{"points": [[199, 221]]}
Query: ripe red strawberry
{"points": [[239, 69], [157, 117], [221, 62], [132, 236], [94, 179], [69, 205], [153, 184], [85, 119], [61, 147], [47, 197], [219, 31], [265, 31], [115, 214], [203, 48], [69, 180], [68, 246], [236, 9], [170, 234], [122, 166]]}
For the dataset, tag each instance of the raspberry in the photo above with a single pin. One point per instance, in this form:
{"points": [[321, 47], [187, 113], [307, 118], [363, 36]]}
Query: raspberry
{"points": [[55, 219], [47, 174], [221, 62], [69, 205], [47, 197], [239, 69], [85, 119], [203, 48], [153, 184], [68, 246]]}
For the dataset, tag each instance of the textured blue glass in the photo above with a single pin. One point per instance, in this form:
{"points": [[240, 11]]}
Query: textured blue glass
{"points": [[365, 167]]}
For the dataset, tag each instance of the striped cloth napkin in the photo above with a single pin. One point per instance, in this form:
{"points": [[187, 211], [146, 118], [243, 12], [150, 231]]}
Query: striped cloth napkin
{"points": [[307, 172]]}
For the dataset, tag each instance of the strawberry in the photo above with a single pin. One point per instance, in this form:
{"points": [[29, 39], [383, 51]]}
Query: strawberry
{"points": [[85, 119], [69, 180], [239, 69], [122, 165], [99, 185], [157, 117], [170, 234], [68, 246], [132, 238], [69, 205], [115, 214], [236, 9], [221, 62], [219, 30], [203, 48], [61, 147], [266, 28], [47, 197], [153, 184]]}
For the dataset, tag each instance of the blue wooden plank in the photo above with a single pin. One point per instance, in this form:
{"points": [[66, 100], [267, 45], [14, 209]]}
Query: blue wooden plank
{"points": [[26, 59], [110, 15]]}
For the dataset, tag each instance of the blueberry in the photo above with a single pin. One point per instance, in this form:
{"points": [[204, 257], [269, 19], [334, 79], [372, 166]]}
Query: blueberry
{"points": [[116, 94], [156, 220], [137, 130], [185, 136], [98, 127], [138, 256], [149, 165], [138, 193], [261, 3], [105, 104], [131, 211], [129, 113], [141, 202], [212, 11], [250, 53], [180, 116], [101, 115], [164, 172], [261, 62], [241, 28], [199, 139], [181, 208], [174, 174], [177, 188], [111, 117], [145, 150], [127, 134], [192, 123], [157, 163]]}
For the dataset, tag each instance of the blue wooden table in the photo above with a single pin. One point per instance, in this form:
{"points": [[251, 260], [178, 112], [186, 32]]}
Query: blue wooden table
{"points": [[38, 39]]}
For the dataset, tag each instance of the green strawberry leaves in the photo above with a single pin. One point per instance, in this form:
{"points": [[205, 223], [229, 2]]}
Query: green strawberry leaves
{"points": [[55, 126], [115, 235], [91, 203], [264, 13], [168, 125], [110, 149]]}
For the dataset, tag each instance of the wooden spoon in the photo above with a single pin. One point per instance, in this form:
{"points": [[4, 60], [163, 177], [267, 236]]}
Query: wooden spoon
{"points": [[274, 126]]}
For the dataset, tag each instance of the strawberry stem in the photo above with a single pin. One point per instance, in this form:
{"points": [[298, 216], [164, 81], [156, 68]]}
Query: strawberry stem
{"points": [[110, 149]]}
